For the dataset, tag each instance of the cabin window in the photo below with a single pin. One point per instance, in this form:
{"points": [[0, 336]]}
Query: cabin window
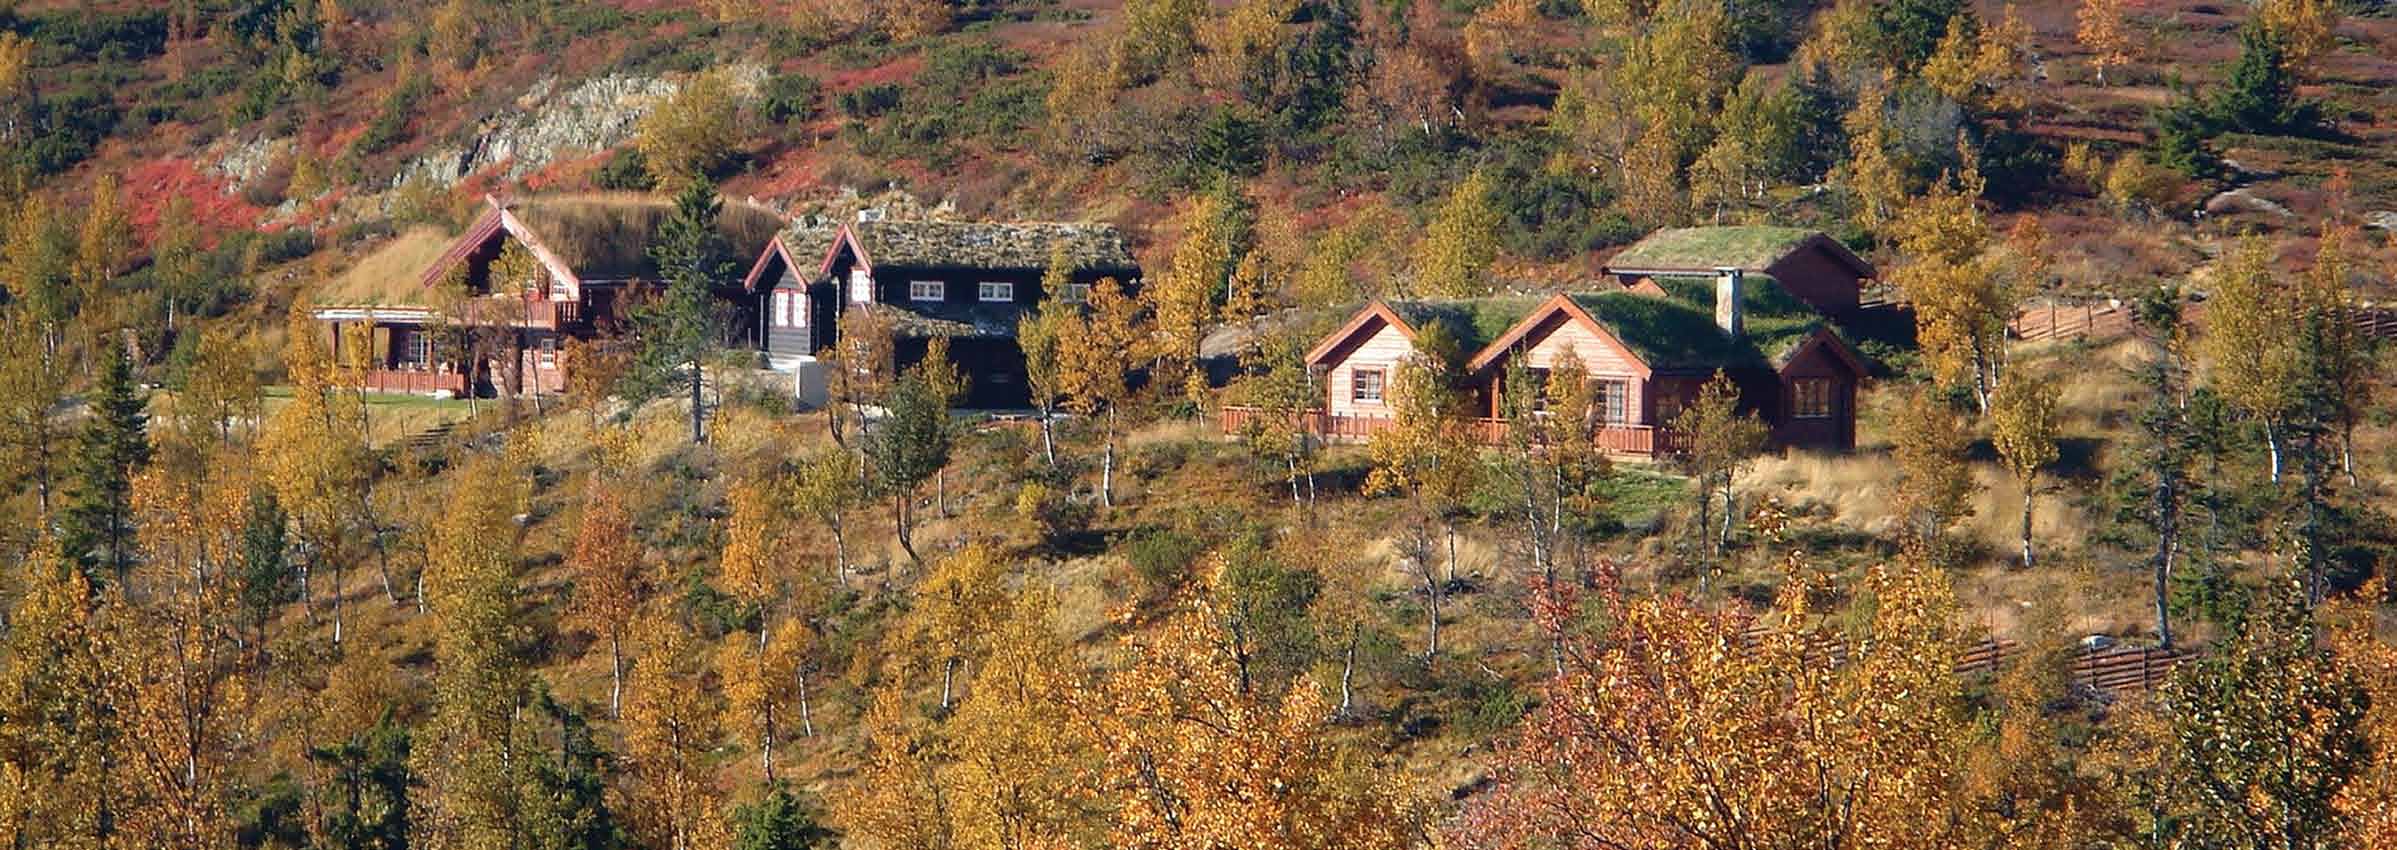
{"points": [[1612, 398], [997, 291], [416, 349], [926, 290], [1365, 386], [1810, 398], [1076, 293], [790, 310], [861, 287], [549, 352]]}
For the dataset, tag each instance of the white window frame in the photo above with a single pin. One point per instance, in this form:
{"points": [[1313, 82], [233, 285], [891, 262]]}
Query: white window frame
{"points": [[927, 290], [1612, 397], [1076, 293], [861, 287], [1356, 385], [1005, 290]]}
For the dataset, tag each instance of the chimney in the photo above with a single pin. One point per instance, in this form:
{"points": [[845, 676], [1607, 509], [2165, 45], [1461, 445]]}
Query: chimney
{"points": [[1731, 287]]}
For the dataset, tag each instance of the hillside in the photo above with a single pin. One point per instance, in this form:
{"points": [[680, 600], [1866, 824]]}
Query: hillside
{"points": [[251, 604]]}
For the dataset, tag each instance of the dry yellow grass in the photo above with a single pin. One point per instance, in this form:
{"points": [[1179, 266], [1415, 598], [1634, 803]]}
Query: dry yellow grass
{"points": [[390, 275]]}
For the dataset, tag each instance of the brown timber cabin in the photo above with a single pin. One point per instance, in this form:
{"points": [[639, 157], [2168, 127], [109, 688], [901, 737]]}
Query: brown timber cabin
{"points": [[1647, 349], [1807, 264], [435, 316]]}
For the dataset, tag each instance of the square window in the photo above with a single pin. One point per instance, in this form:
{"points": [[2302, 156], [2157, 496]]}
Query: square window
{"points": [[997, 291], [1810, 398], [1612, 397], [1076, 293], [926, 290], [1365, 386]]}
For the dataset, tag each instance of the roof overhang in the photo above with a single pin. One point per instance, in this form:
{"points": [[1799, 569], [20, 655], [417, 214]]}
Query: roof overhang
{"points": [[1559, 304], [1839, 348], [1375, 309]]}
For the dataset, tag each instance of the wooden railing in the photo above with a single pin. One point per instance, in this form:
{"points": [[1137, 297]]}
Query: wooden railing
{"points": [[415, 382], [1635, 440], [505, 312], [2114, 669]]}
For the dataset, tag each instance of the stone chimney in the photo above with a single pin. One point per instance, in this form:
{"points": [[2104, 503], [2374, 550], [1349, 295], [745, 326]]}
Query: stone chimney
{"points": [[1731, 288]]}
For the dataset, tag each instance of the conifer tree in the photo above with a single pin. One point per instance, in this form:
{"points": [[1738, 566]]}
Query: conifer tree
{"points": [[97, 529], [678, 329], [368, 801]]}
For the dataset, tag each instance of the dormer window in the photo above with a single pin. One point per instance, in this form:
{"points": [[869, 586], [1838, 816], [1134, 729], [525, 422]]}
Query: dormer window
{"points": [[927, 290]]}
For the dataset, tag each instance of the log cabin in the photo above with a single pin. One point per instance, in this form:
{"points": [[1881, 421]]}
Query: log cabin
{"points": [[970, 282], [1648, 348], [432, 315], [1805, 263]]}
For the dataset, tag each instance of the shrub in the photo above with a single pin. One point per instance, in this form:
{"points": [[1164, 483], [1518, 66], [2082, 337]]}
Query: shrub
{"points": [[789, 97], [627, 171], [1161, 558], [870, 101]]}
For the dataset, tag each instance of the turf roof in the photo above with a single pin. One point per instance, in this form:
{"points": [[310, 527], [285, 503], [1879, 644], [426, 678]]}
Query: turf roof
{"points": [[994, 245], [1678, 332], [388, 277], [607, 237], [1474, 322], [1751, 247]]}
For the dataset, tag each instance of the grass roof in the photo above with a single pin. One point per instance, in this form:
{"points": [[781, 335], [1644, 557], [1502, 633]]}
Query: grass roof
{"points": [[1473, 322], [1751, 247], [993, 245], [1678, 332], [607, 236], [388, 277]]}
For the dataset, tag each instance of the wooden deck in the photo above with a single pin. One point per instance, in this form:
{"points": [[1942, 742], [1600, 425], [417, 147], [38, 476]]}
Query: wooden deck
{"points": [[1625, 440]]}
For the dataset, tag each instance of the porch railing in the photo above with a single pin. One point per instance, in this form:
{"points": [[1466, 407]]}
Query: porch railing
{"points": [[415, 382], [1630, 440]]}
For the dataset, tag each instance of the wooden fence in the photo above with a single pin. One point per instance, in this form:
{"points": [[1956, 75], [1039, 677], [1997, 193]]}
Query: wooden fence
{"points": [[2111, 319], [2112, 670], [1629, 440]]}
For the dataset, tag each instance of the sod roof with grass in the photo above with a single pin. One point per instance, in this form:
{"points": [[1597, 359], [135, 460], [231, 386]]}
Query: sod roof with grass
{"points": [[1750, 247], [1677, 332], [1013, 246], [1472, 322], [391, 275]]}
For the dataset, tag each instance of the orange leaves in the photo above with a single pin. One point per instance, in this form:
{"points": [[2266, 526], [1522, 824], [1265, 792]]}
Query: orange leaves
{"points": [[1671, 732]]}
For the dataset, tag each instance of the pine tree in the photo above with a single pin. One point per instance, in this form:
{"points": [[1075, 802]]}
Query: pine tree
{"points": [[367, 802], [2259, 93], [782, 820], [678, 330], [97, 530]]}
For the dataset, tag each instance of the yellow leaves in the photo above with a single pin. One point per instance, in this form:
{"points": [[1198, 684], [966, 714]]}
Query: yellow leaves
{"points": [[2023, 423], [1984, 72], [2247, 345], [2304, 28], [692, 132], [16, 64], [753, 547], [1453, 259], [1497, 31], [1870, 172], [1674, 732], [2099, 27]]}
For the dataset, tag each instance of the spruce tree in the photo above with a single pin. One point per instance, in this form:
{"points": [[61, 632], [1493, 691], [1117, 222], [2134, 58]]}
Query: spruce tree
{"points": [[366, 800], [96, 532], [780, 821], [679, 328], [2259, 94]]}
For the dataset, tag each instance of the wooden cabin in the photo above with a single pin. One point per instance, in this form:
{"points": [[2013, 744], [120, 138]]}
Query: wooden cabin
{"points": [[489, 311], [1807, 264], [970, 282], [1648, 350]]}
